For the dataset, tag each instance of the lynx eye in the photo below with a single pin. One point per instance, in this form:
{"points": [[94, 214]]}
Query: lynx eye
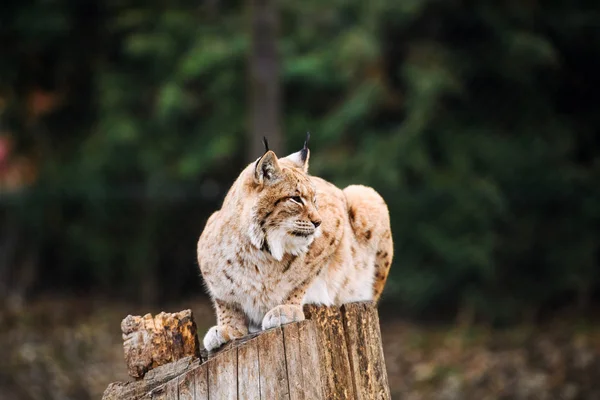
{"points": [[296, 199]]}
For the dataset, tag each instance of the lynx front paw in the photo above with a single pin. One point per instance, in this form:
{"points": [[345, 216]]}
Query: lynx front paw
{"points": [[282, 315], [219, 335]]}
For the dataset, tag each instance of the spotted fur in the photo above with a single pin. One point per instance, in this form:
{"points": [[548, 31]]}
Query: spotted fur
{"points": [[284, 238]]}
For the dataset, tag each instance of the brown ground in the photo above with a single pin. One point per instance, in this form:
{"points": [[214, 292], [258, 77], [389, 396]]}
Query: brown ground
{"points": [[557, 361], [72, 349]]}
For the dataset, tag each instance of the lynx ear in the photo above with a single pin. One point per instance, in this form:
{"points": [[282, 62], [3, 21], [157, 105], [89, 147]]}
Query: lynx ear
{"points": [[267, 169], [301, 157]]}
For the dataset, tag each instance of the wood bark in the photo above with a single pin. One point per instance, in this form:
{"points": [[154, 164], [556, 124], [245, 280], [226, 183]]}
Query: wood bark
{"points": [[335, 354], [153, 341], [152, 380]]}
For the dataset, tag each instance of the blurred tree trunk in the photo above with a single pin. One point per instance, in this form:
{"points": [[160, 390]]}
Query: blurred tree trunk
{"points": [[265, 98], [19, 261], [8, 244]]}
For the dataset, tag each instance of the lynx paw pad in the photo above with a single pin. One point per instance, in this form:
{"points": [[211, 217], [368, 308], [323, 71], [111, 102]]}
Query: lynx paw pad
{"points": [[282, 315]]}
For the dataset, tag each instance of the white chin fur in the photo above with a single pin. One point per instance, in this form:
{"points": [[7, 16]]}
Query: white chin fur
{"points": [[281, 243], [255, 235]]}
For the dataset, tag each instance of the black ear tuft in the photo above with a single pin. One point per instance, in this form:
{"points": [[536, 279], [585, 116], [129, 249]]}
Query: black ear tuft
{"points": [[304, 151], [266, 143]]}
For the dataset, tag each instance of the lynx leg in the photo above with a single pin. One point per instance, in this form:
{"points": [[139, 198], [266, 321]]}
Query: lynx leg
{"points": [[290, 311], [231, 324]]}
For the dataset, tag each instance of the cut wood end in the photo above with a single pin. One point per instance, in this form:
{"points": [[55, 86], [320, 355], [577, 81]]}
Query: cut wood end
{"points": [[149, 342]]}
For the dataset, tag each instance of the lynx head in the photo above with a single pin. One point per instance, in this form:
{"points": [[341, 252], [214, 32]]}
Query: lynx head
{"points": [[284, 215]]}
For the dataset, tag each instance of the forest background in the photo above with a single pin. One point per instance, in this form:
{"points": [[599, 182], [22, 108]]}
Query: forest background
{"points": [[123, 124]]}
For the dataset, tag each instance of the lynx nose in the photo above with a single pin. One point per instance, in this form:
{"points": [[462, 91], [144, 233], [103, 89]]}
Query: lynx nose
{"points": [[316, 223]]}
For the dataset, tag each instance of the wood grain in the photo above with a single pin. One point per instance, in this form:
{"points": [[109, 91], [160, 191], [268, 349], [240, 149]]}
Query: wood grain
{"points": [[248, 371], [187, 386], [333, 353], [172, 389], [152, 380], [293, 359], [366, 360], [311, 371], [381, 378], [222, 376], [201, 382], [302, 359], [272, 366]]}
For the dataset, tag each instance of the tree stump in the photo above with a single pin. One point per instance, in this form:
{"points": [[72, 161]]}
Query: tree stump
{"points": [[153, 341], [335, 353]]}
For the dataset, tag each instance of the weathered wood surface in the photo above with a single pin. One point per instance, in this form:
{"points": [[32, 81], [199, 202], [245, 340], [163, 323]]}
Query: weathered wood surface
{"points": [[153, 379], [335, 354], [365, 351], [302, 358], [248, 371], [334, 362], [272, 365], [222, 375], [150, 341]]}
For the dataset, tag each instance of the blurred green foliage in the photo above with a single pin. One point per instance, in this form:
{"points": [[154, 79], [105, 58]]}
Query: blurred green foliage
{"points": [[477, 121]]}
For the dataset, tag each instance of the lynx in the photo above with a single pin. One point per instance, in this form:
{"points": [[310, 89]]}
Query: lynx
{"points": [[284, 238]]}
